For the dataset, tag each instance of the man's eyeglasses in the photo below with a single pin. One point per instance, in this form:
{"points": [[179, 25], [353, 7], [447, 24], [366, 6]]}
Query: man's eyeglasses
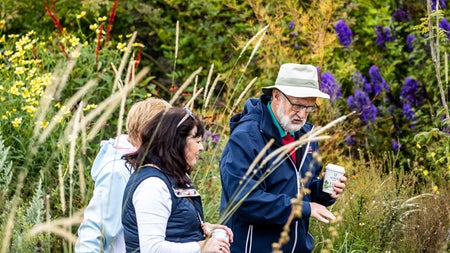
{"points": [[188, 114], [299, 107]]}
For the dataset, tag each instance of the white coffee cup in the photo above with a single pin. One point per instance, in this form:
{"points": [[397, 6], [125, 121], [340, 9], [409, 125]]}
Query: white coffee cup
{"points": [[333, 173], [220, 233]]}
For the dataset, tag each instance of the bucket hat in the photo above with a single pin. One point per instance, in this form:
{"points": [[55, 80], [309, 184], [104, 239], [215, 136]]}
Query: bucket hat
{"points": [[297, 80]]}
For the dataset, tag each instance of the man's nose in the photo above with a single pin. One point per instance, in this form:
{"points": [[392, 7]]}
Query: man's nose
{"points": [[302, 113]]}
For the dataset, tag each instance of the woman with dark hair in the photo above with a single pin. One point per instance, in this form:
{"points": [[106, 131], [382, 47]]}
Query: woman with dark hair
{"points": [[162, 209]]}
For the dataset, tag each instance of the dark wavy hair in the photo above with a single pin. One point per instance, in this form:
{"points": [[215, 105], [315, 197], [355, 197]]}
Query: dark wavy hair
{"points": [[164, 141]]}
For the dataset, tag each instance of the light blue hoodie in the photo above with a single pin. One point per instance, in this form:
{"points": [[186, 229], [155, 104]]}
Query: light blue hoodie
{"points": [[101, 229]]}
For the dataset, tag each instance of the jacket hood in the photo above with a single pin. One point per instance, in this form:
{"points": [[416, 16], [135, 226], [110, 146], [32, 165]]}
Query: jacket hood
{"points": [[111, 152], [252, 111]]}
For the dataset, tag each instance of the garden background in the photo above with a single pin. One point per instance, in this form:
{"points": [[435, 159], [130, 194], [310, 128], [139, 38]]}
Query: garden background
{"points": [[71, 69]]}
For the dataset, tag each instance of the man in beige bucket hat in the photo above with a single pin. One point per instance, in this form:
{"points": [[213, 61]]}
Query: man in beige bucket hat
{"points": [[279, 114]]}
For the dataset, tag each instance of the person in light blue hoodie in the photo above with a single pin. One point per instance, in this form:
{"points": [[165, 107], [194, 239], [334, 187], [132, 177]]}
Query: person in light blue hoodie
{"points": [[101, 229]]}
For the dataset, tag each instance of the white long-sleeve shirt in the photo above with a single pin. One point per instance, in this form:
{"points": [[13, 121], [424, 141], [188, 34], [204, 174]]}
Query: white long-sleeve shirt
{"points": [[153, 205]]}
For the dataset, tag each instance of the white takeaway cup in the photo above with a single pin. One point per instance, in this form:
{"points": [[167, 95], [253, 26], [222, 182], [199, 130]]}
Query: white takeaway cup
{"points": [[220, 233], [333, 173]]}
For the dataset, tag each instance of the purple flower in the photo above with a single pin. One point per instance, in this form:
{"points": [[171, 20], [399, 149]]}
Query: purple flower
{"points": [[378, 82], [383, 35], [369, 114], [408, 112], [291, 25], [350, 140], [400, 16], [343, 32], [444, 25], [297, 46], [360, 102], [294, 34], [330, 86], [411, 93], [442, 4], [358, 78], [396, 146], [367, 87], [409, 42], [211, 137]]}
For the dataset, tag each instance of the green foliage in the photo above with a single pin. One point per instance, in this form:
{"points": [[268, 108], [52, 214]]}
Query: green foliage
{"points": [[381, 212], [5, 170]]}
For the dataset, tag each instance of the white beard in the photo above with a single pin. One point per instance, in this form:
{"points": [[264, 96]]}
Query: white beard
{"points": [[286, 122]]}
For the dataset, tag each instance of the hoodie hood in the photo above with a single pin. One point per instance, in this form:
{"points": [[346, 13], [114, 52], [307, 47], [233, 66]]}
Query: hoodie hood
{"points": [[253, 110], [109, 158]]}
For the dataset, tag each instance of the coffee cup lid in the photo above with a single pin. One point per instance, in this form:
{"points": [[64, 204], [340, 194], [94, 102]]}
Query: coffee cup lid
{"points": [[335, 167]]}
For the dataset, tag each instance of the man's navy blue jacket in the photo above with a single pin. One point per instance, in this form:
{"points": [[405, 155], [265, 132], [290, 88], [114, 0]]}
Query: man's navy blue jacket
{"points": [[259, 220]]}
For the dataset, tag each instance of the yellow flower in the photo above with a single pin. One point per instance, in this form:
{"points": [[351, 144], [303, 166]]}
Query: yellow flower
{"points": [[14, 91], [101, 19], [74, 41], [432, 154], [436, 189], [121, 46], [418, 146], [425, 172], [44, 124], [2, 24], [137, 44], [82, 14], [28, 108], [16, 122], [18, 83], [89, 107], [19, 70], [2, 88], [93, 27], [4, 117]]}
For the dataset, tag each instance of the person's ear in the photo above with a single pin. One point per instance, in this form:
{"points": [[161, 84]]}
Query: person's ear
{"points": [[275, 95]]}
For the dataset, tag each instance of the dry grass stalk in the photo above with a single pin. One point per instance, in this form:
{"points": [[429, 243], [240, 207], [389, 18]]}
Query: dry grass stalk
{"points": [[124, 61], [210, 93], [69, 104], [55, 86], [263, 33], [61, 189], [82, 180], [194, 96], [435, 55], [208, 81], [60, 227], [185, 85], [111, 101], [236, 103]]}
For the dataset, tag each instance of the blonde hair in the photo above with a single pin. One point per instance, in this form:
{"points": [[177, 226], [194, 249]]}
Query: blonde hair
{"points": [[140, 114]]}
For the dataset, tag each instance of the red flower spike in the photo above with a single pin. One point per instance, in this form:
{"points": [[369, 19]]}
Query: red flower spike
{"points": [[111, 21]]}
